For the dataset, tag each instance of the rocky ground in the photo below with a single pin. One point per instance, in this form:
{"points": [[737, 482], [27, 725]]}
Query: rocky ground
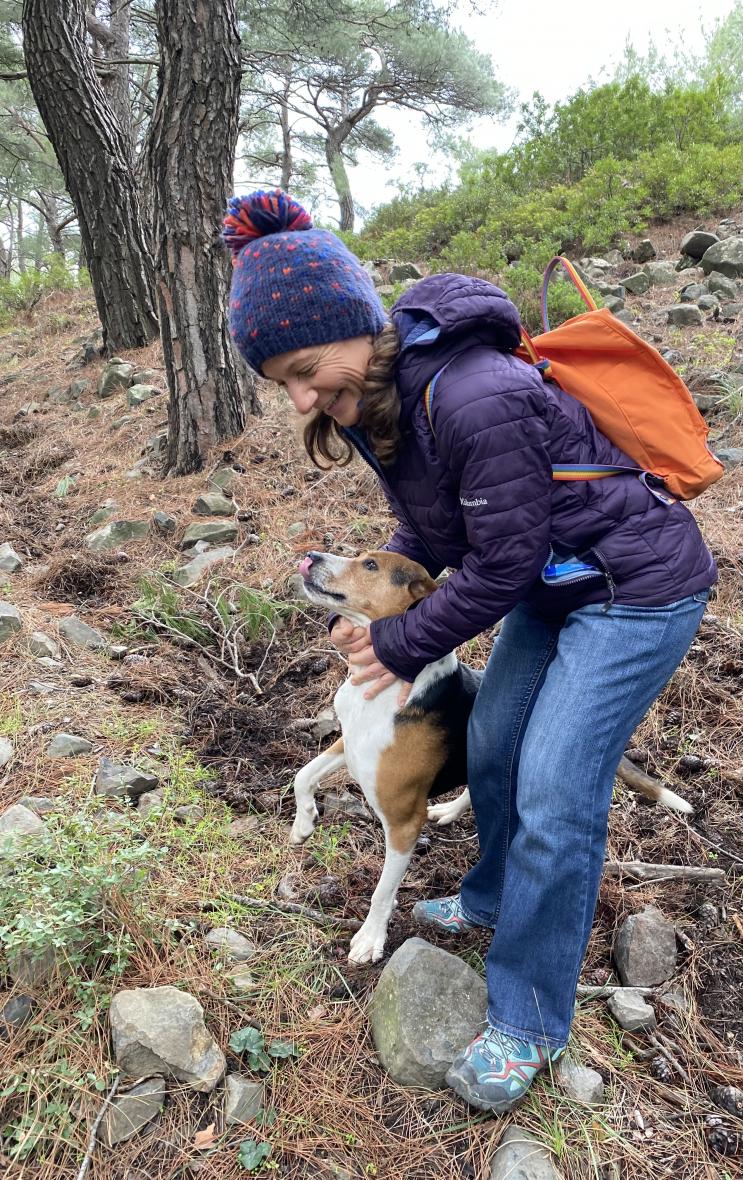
{"points": [[164, 948]]}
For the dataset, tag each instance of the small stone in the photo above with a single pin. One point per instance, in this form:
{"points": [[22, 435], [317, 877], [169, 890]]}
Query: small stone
{"points": [[114, 378], [75, 631], [684, 315], [189, 812], [243, 1099], [730, 311], [138, 394], [342, 805], [217, 531], [721, 285], [630, 1010], [230, 944], [10, 562], [94, 412], [213, 504], [68, 745], [6, 751], [708, 302], [192, 573], [10, 621], [580, 1083], [296, 529], [40, 804], [661, 274], [150, 801], [400, 271], [691, 292], [48, 664], [637, 284], [241, 979], [122, 421], [117, 779], [19, 830], [130, 1112], [118, 651], [81, 679], [244, 825], [677, 1001], [16, 1012], [644, 251], [43, 645], [645, 949], [115, 534], [102, 514], [730, 456], [520, 1156], [165, 523], [144, 377], [161, 1030]]}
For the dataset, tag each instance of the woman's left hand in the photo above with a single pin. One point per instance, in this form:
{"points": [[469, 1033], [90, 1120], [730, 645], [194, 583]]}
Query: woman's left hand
{"points": [[365, 667]]}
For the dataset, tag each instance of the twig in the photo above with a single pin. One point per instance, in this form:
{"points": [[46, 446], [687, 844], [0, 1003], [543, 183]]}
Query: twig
{"points": [[641, 870], [88, 1159], [610, 989], [287, 907], [665, 1052], [227, 1003]]}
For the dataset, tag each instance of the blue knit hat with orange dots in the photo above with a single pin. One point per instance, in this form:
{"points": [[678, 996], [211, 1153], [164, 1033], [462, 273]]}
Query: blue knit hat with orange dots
{"points": [[293, 286]]}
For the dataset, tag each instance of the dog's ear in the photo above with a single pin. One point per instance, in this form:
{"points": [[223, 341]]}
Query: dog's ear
{"points": [[421, 588]]}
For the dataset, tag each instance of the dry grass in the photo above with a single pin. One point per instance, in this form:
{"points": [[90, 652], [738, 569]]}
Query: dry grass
{"points": [[336, 1109]]}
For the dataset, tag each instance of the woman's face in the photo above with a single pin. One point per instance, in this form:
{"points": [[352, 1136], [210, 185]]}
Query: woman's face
{"points": [[324, 377]]}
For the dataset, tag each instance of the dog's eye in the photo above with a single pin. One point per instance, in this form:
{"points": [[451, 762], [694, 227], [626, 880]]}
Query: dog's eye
{"points": [[370, 564]]}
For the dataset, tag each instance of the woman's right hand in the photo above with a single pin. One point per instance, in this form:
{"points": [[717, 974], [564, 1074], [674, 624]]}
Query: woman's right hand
{"points": [[348, 638]]}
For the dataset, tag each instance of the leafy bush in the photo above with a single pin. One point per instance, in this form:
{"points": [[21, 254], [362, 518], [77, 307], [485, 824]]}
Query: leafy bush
{"points": [[25, 291]]}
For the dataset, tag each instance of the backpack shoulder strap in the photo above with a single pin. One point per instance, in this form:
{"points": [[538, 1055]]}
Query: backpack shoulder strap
{"points": [[428, 395]]}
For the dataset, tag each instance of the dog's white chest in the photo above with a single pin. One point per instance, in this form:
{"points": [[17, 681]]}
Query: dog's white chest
{"points": [[367, 728]]}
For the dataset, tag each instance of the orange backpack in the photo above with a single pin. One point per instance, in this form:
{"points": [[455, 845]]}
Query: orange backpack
{"points": [[635, 398]]}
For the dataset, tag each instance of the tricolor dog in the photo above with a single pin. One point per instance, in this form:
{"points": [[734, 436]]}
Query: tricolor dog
{"points": [[400, 757]]}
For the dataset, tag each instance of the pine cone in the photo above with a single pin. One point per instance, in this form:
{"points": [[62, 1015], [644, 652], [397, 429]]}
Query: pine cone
{"points": [[661, 1070], [728, 1098], [722, 1139]]}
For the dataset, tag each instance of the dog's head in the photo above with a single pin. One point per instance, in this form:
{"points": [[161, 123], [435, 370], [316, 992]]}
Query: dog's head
{"points": [[373, 586]]}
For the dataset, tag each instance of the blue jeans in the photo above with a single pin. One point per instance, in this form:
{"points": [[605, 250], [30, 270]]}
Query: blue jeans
{"points": [[557, 705]]}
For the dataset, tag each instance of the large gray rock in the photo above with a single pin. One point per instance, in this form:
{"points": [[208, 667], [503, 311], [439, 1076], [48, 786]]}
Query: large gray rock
{"points": [[116, 533], [161, 1030], [9, 559], [721, 285], [230, 944], [685, 315], [216, 530], [691, 292], [129, 1112], [43, 645], [644, 251], [68, 745], [645, 949], [725, 257], [243, 1099], [140, 393], [637, 284], [400, 271], [427, 1006], [75, 631], [19, 830], [103, 513], [116, 779], [520, 1156], [661, 274], [631, 1011], [696, 243], [10, 621], [213, 504], [192, 573], [115, 377], [730, 456]]}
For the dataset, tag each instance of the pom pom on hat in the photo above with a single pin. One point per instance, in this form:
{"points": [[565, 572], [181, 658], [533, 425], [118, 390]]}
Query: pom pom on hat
{"points": [[260, 214]]}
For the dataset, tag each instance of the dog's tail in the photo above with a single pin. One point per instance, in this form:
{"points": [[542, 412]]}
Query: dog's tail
{"points": [[651, 788]]}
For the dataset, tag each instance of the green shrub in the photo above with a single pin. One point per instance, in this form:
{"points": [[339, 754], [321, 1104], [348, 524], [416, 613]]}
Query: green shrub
{"points": [[23, 292]]}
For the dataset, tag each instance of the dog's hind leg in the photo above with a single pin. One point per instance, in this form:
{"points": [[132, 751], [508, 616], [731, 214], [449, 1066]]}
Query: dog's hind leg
{"points": [[367, 945], [306, 783], [446, 813]]}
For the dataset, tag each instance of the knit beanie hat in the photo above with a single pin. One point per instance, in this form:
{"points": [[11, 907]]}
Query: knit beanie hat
{"points": [[292, 285]]}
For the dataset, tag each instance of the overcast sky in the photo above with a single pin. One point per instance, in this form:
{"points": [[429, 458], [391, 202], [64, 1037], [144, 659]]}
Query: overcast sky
{"points": [[552, 46]]}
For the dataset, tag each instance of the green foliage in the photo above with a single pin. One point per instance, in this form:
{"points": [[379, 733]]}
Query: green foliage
{"points": [[256, 613], [61, 898], [252, 1154], [24, 292], [160, 603], [39, 1107], [251, 1041]]}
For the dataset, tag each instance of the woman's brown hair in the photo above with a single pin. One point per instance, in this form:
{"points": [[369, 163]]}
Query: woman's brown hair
{"points": [[380, 411]]}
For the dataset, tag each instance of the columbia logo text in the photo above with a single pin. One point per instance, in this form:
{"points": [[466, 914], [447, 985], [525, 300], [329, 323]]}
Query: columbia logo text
{"points": [[472, 503]]}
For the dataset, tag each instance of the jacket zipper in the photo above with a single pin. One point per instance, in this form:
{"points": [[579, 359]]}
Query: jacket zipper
{"points": [[609, 579]]}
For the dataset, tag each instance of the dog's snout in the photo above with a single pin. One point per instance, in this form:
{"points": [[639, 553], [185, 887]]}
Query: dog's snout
{"points": [[313, 556]]}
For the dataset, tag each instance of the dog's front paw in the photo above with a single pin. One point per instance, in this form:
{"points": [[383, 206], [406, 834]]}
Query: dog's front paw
{"points": [[367, 945], [303, 827]]}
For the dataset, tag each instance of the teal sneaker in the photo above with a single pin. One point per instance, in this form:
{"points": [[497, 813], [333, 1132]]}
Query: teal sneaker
{"points": [[445, 913], [496, 1070]]}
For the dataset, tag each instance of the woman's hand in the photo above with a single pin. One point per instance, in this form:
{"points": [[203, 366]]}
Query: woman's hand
{"points": [[355, 643]]}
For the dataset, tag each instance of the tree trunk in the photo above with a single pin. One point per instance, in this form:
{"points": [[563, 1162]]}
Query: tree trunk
{"points": [[116, 78], [341, 182], [19, 237], [191, 153], [92, 154], [287, 164]]}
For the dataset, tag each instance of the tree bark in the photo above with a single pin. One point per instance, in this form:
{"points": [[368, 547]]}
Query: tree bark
{"points": [[92, 154], [191, 152], [115, 77], [341, 182], [19, 237]]}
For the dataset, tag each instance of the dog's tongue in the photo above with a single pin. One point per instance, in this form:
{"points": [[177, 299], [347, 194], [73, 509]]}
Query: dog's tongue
{"points": [[305, 566]]}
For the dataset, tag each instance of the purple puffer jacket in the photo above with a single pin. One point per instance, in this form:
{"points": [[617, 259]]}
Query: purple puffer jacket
{"points": [[477, 496]]}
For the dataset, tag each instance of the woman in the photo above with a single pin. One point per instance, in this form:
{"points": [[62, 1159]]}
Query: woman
{"points": [[600, 587]]}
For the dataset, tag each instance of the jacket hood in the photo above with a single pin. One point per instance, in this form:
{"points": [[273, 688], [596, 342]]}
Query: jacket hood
{"points": [[443, 315]]}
